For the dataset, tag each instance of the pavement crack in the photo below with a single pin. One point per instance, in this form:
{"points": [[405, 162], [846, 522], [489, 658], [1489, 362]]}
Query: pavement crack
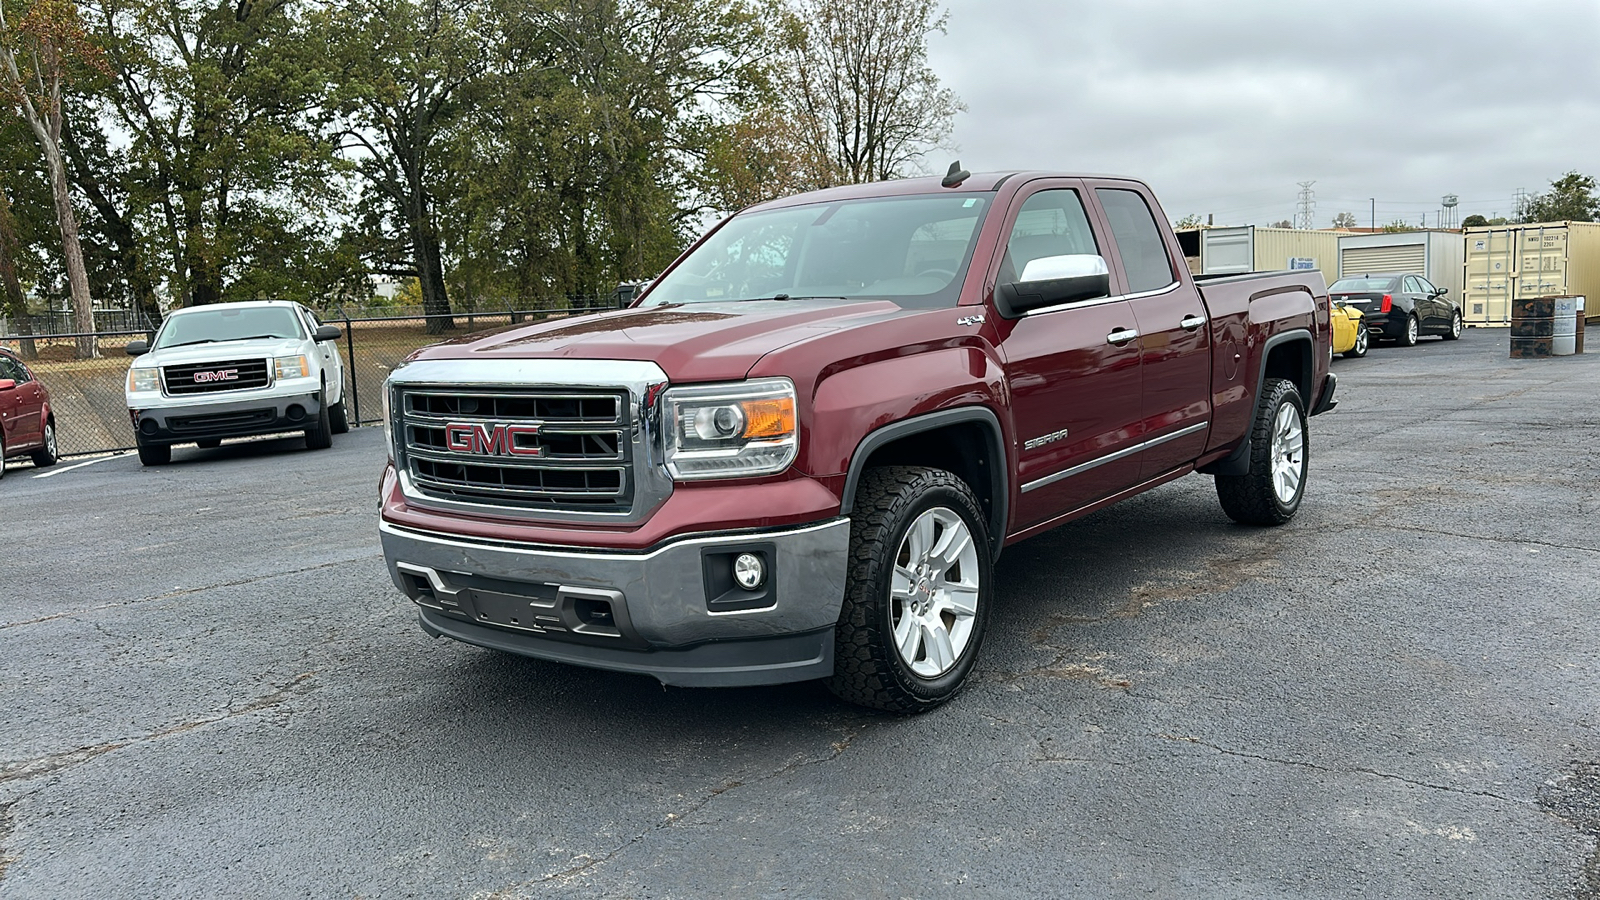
{"points": [[183, 592], [585, 864], [7, 824], [1476, 537], [1332, 770], [50, 764]]}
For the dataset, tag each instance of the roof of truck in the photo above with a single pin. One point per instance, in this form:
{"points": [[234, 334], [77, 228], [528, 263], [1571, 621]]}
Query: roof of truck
{"points": [[900, 187]]}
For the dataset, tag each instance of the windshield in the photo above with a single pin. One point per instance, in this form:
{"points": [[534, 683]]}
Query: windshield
{"points": [[911, 250], [224, 324], [1358, 285]]}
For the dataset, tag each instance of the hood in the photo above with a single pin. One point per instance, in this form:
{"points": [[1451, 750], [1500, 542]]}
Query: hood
{"points": [[223, 351], [690, 342]]}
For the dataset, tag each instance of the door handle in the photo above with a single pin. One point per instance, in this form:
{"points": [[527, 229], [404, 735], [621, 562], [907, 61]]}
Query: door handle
{"points": [[1122, 336], [1190, 323]]}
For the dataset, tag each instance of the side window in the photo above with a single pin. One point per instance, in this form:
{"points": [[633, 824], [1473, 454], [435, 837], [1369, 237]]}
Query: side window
{"points": [[1410, 285], [1050, 223], [11, 370], [1144, 253], [1425, 286]]}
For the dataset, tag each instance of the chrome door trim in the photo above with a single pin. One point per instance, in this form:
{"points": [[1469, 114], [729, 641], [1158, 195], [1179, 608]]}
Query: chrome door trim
{"points": [[1099, 301], [1124, 453], [1118, 338]]}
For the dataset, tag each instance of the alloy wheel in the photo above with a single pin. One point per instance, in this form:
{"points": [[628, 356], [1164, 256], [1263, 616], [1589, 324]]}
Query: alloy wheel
{"points": [[1288, 454], [934, 592]]}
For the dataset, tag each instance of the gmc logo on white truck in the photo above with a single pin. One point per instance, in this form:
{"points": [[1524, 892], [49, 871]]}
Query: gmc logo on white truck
{"points": [[495, 440], [219, 375]]}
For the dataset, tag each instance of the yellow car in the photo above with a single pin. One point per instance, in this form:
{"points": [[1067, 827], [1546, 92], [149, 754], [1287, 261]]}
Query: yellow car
{"points": [[1349, 334]]}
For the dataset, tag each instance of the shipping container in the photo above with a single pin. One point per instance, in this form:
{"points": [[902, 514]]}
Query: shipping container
{"points": [[1247, 248], [1435, 255], [1514, 262]]}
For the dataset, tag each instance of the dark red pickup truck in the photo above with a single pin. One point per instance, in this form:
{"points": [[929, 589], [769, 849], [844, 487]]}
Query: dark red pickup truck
{"points": [[799, 453]]}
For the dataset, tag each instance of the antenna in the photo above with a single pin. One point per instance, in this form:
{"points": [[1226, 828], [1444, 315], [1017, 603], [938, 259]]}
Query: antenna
{"points": [[1308, 206], [956, 175]]}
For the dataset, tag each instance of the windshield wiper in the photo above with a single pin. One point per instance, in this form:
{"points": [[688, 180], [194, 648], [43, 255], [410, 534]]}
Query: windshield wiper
{"points": [[192, 343], [789, 297]]}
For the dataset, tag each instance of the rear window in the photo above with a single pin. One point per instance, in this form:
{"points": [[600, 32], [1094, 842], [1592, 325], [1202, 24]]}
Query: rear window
{"points": [[1362, 285]]}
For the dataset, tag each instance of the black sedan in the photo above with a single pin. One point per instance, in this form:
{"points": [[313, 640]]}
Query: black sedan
{"points": [[1400, 307]]}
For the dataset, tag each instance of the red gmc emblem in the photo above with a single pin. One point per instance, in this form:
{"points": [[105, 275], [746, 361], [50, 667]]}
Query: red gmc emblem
{"points": [[219, 375], [497, 440]]}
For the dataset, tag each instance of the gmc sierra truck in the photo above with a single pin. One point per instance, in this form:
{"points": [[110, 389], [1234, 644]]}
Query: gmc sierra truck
{"points": [[798, 454]]}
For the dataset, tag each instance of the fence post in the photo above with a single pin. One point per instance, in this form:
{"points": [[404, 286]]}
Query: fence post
{"points": [[350, 344]]}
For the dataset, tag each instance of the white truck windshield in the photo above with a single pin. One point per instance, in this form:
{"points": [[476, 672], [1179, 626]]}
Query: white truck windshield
{"points": [[224, 324]]}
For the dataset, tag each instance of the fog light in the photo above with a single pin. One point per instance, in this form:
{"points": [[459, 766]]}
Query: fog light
{"points": [[149, 427], [295, 412], [749, 571]]}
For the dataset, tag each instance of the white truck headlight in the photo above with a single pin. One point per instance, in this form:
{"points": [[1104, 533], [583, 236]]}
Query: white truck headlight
{"points": [[143, 379], [732, 430], [291, 367]]}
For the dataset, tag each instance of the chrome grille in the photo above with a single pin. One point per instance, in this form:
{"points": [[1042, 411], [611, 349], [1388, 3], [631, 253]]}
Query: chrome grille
{"points": [[537, 449], [205, 378]]}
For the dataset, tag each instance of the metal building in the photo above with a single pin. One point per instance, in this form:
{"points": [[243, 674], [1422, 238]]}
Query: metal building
{"points": [[1435, 255], [1549, 259]]}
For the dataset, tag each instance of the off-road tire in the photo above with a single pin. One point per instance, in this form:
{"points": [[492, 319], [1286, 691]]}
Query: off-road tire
{"points": [[1454, 333], [868, 669], [155, 454], [320, 435], [1408, 337], [48, 454], [337, 416], [1250, 499], [208, 443], [1363, 342]]}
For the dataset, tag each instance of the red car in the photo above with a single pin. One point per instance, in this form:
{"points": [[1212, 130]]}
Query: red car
{"points": [[27, 423]]}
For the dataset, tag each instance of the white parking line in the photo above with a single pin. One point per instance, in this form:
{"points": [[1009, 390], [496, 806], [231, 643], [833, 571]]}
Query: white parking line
{"points": [[70, 468]]}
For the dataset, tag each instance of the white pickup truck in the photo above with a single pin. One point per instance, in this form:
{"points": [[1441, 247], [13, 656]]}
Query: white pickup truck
{"points": [[236, 370]]}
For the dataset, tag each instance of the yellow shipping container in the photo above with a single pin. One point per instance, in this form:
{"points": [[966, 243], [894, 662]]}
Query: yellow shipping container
{"points": [[1506, 262]]}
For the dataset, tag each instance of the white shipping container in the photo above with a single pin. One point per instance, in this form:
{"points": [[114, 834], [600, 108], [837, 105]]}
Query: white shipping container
{"points": [[1247, 248]]}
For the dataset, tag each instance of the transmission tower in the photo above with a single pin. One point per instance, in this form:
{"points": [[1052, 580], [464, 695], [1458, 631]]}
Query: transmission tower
{"points": [[1308, 206]]}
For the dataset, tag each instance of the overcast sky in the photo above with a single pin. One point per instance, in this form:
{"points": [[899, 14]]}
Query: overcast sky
{"points": [[1224, 106]]}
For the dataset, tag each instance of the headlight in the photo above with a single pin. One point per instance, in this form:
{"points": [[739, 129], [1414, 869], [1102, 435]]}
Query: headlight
{"points": [[147, 379], [291, 367], [731, 430], [388, 426]]}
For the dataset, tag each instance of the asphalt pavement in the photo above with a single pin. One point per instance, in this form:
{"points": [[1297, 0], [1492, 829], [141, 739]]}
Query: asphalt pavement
{"points": [[208, 687]]}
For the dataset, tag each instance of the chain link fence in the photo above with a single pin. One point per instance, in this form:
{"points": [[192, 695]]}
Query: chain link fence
{"points": [[87, 394]]}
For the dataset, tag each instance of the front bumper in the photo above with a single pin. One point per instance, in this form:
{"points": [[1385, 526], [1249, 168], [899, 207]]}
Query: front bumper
{"points": [[668, 612], [242, 417]]}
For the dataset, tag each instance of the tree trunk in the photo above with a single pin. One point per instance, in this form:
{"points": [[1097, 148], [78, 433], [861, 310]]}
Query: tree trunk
{"points": [[72, 253], [430, 273]]}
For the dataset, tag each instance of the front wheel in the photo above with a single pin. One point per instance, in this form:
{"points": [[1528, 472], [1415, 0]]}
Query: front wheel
{"points": [[339, 418], [320, 435], [918, 589], [47, 455], [1455, 327], [1362, 342], [1279, 449], [155, 454]]}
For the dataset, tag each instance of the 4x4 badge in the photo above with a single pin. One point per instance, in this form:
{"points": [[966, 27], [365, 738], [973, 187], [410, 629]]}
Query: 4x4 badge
{"points": [[971, 320]]}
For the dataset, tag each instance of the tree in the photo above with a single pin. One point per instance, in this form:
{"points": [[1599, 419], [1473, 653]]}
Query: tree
{"points": [[1474, 222], [221, 101], [1192, 220], [1344, 220], [1571, 198], [407, 72], [1283, 223], [856, 81], [51, 37], [1398, 226]]}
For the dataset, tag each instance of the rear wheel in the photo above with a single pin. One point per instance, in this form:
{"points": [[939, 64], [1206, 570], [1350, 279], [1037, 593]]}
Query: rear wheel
{"points": [[155, 454], [1455, 326], [1408, 338], [1362, 342], [918, 591], [46, 455], [1270, 493]]}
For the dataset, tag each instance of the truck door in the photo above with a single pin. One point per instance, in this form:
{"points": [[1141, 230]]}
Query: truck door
{"points": [[1173, 335], [1073, 368]]}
